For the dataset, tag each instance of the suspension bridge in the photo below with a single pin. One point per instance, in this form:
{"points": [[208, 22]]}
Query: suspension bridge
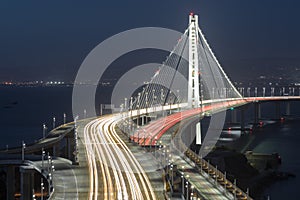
{"points": [[128, 152], [189, 83]]}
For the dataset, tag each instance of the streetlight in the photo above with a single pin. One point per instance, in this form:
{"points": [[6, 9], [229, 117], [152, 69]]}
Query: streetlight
{"points": [[125, 104], [187, 188], [44, 130], [43, 154], [84, 113], [255, 91], [42, 189], [216, 176], [162, 101], [192, 193], [182, 183], [153, 97], [172, 175], [272, 91], [65, 118], [138, 108], [138, 131], [53, 122], [293, 91], [23, 150], [201, 164], [234, 183], [33, 195]]}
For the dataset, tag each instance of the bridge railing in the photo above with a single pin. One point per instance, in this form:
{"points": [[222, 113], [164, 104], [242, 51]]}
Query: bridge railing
{"points": [[205, 167]]}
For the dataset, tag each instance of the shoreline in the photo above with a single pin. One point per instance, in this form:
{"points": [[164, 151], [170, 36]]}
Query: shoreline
{"points": [[253, 142]]}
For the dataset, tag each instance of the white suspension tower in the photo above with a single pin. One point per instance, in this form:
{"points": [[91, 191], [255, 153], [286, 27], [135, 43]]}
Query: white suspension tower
{"points": [[193, 77], [194, 99]]}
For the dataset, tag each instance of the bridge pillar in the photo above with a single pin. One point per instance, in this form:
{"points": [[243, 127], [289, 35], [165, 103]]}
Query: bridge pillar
{"points": [[257, 112], [27, 182], [234, 116], [242, 119], [55, 150], [10, 183], [288, 108], [198, 133], [193, 76], [277, 110], [69, 148], [143, 121]]}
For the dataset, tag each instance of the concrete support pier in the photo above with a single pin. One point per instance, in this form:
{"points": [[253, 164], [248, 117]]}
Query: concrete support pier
{"points": [[10, 182], [288, 108], [27, 182], [257, 112], [242, 119], [277, 110], [69, 148], [234, 116], [56, 150]]}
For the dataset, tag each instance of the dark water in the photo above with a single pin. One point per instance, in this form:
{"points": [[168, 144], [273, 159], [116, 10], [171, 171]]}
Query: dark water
{"points": [[24, 110], [282, 137]]}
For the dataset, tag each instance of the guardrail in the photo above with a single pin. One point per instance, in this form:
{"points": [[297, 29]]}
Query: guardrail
{"points": [[205, 167]]}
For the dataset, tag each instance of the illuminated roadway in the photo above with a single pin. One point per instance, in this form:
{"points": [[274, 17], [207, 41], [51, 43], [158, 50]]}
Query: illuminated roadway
{"points": [[154, 130], [114, 172]]}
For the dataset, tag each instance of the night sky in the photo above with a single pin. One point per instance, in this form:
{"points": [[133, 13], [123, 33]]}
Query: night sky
{"points": [[45, 40]]}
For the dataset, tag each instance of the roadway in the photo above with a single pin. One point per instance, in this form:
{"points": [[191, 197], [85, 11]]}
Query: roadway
{"points": [[114, 172], [152, 132]]}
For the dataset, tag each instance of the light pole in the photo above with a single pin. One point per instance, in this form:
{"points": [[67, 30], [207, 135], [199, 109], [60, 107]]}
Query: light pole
{"points": [[234, 183], [201, 164], [65, 118], [187, 187], [216, 175], [138, 109], [178, 100], [125, 104], [33, 195], [272, 91], [43, 154], [182, 184], [44, 130], [53, 122], [172, 175], [243, 91], [23, 150], [42, 189], [84, 113], [153, 97], [138, 131], [192, 192], [248, 91], [255, 91]]}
